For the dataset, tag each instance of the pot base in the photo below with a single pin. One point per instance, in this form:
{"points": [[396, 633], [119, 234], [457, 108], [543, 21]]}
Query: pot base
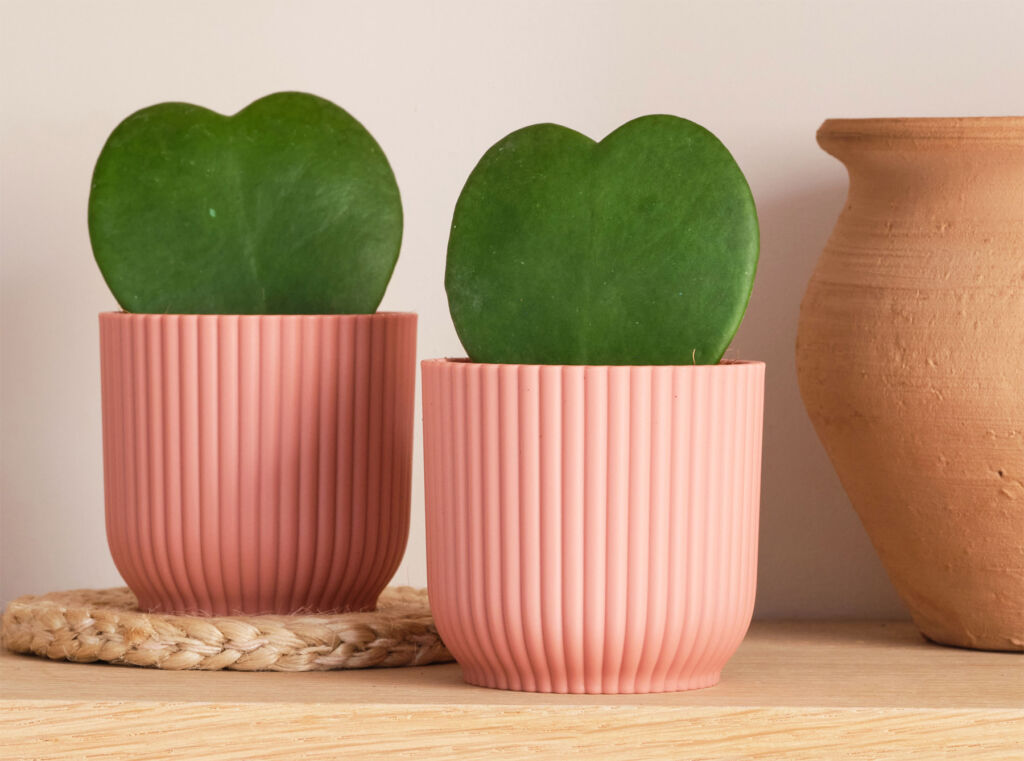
{"points": [[481, 678], [970, 641], [168, 607]]}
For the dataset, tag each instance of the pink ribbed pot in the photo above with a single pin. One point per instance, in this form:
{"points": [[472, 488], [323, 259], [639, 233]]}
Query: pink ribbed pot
{"points": [[592, 529], [257, 464]]}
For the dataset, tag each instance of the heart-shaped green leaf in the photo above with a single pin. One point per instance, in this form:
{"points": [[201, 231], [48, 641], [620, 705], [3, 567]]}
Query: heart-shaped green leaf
{"points": [[287, 207], [639, 249]]}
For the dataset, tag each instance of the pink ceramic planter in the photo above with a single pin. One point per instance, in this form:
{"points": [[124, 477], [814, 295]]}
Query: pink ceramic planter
{"points": [[592, 529], [257, 464]]}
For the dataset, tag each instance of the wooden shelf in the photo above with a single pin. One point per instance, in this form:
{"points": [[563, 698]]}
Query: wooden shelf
{"points": [[795, 690]]}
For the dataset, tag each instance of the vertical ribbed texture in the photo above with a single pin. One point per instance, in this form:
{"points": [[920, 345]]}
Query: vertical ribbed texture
{"points": [[592, 529], [257, 464]]}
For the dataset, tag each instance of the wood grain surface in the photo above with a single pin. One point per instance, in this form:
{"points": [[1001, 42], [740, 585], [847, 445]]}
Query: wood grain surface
{"points": [[795, 690]]}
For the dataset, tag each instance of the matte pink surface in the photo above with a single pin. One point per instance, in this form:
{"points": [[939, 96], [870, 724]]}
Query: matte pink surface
{"points": [[257, 464], [592, 529]]}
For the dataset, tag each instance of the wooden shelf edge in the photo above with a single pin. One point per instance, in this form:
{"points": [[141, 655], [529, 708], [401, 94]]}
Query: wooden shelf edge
{"points": [[795, 690], [148, 731]]}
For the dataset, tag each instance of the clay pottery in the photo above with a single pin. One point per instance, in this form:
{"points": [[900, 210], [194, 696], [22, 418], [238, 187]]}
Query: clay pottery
{"points": [[257, 464], [592, 529], [910, 358]]}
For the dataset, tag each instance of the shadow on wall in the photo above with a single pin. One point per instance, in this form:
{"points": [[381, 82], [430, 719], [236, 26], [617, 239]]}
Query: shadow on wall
{"points": [[814, 553], [51, 489]]}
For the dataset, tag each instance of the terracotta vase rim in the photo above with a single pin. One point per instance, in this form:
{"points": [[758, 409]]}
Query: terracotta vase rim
{"points": [[985, 129], [466, 362], [121, 314]]}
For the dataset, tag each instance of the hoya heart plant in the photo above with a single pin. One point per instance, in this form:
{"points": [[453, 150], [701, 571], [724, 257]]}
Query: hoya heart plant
{"points": [[287, 207], [639, 249]]}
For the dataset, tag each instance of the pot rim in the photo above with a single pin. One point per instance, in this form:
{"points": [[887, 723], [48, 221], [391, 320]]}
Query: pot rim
{"points": [[121, 315], [467, 363], [992, 129]]}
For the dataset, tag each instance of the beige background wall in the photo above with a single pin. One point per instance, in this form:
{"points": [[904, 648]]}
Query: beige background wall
{"points": [[437, 83]]}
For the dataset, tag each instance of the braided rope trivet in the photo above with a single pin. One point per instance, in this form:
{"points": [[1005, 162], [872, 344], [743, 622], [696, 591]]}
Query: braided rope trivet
{"points": [[104, 625]]}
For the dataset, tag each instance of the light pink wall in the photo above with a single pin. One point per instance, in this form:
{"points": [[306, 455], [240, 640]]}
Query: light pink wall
{"points": [[437, 83]]}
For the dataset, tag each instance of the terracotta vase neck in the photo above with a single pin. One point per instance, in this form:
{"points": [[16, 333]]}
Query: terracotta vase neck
{"points": [[973, 165]]}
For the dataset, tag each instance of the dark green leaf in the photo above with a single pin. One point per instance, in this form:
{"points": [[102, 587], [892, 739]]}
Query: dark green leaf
{"points": [[639, 249], [288, 207]]}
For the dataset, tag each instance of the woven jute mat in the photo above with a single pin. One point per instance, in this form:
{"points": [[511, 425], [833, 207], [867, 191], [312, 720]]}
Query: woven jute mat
{"points": [[87, 625]]}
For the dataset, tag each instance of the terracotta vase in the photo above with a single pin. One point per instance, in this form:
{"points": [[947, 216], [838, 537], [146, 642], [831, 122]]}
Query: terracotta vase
{"points": [[910, 358], [257, 464], [592, 529]]}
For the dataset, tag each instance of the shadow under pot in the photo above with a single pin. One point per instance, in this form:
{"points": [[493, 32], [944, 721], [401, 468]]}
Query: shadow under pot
{"points": [[257, 463], [592, 529]]}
